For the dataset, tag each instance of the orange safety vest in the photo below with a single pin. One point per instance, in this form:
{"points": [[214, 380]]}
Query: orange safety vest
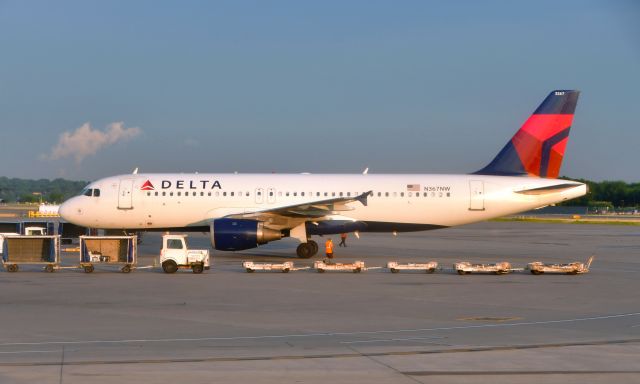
{"points": [[329, 246]]}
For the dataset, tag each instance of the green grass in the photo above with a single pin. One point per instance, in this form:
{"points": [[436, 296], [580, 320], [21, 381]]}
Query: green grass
{"points": [[567, 221]]}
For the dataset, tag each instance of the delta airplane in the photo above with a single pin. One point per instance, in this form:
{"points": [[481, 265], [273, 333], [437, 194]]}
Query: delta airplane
{"points": [[242, 211]]}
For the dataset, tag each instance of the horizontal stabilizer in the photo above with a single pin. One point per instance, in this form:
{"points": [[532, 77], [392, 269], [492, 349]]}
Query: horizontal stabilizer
{"points": [[548, 189]]}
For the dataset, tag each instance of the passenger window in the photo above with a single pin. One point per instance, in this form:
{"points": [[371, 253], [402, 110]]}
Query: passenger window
{"points": [[386, 194], [333, 194], [209, 194], [379, 194], [270, 193], [301, 193], [340, 194], [424, 194], [401, 194], [170, 193], [174, 244], [179, 193], [295, 193], [148, 193], [231, 193], [287, 193], [224, 193], [201, 193], [156, 193], [326, 193], [164, 193]]}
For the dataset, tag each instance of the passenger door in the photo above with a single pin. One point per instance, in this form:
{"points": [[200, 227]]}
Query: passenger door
{"points": [[125, 194]]}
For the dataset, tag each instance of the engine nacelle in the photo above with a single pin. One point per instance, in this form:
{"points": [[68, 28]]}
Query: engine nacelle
{"points": [[333, 227], [239, 234]]}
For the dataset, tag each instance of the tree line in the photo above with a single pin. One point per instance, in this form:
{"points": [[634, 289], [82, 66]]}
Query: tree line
{"points": [[13, 190], [618, 194]]}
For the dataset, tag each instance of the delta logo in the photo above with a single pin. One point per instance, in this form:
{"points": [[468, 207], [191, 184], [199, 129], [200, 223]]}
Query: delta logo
{"points": [[147, 186]]}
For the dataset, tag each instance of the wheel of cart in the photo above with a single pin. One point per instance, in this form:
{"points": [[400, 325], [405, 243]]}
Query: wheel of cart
{"points": [[12, 268], [357, 270], [286, 270], [126, 268], [320, 270], [393, 270], [88, 268], [197, 268], [249, 270], [431, 270], [49, 268], [461, 272], [536, 272]]}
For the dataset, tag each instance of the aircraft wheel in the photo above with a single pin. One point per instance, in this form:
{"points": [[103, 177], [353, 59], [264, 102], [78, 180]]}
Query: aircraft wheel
{"points": [[169, 266], [314, 245], [304, 250]]}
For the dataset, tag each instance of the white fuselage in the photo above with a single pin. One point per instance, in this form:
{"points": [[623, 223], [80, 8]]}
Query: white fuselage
{"points": [[184, 200]]}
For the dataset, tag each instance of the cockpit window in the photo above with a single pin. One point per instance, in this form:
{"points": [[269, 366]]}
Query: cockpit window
{"points": [[96, 193], [87, 192]]}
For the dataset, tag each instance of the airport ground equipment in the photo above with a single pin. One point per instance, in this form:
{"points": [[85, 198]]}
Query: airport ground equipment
{"points": [[31, 250], [285, 267], [355, 267], [175, 255], [465, 267], [108, 250], [429, 267], [538, 268]]}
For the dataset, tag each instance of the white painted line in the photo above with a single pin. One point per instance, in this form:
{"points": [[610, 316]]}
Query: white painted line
{"points": [[19, 352], [391, 340], [326, 334]]}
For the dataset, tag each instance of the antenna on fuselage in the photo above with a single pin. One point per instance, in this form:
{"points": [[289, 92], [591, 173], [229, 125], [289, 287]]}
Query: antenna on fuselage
{"points": [[366, 171], [135, 171]]}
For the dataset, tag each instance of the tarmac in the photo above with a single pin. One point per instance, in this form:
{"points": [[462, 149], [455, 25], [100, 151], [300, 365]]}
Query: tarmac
{"points": [[229, 326]]}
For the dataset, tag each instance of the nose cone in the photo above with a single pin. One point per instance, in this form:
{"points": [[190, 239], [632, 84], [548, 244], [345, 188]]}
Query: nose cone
{"points": [[67, 211]]}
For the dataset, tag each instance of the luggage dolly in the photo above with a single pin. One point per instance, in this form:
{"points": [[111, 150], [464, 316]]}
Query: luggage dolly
{"points": [[355, 267], [285, 267], [575, 268], [396, 267], [465, 267]]}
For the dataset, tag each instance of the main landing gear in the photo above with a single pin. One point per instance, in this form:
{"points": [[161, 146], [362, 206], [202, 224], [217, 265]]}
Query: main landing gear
{"points": [[307, 250]]}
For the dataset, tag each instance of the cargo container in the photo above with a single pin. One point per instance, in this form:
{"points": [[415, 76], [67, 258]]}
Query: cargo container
{"points": [[31, 250], [108, 250]]}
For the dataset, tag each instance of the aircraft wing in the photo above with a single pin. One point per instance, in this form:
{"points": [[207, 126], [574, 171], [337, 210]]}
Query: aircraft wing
{"points": [[307, 210]]}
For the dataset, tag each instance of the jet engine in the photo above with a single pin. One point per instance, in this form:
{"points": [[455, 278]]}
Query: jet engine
{"points": [[239, 234]]}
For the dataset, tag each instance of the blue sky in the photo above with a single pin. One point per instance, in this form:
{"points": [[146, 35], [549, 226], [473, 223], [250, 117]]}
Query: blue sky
{"points": [[295, 86]]}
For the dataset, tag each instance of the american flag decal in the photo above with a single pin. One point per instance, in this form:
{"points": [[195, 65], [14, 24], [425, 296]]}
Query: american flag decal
{"points": [[413, 187]]}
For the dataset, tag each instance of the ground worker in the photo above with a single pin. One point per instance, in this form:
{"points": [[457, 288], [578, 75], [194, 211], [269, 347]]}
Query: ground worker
{"points": [[328, 245], [343, 239]]}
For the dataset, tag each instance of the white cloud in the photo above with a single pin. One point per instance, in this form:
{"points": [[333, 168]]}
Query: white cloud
{"points": [[86, 141]]}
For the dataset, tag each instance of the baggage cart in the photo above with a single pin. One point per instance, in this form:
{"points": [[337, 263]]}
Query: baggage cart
{"points": [[429, 267], [285, 267], [575, 268], [109, 251], [465, 267], [355, 267], [31, 250]]}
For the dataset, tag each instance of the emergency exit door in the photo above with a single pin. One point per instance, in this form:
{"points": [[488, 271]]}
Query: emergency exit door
{"points": [[125, 194], [476, 195]]}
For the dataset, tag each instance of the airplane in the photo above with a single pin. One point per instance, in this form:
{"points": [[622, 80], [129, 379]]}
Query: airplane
{"points": [[243, 211]]}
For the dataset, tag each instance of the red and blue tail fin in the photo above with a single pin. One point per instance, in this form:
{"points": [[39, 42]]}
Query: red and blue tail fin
{"points": [[538, 147]]}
